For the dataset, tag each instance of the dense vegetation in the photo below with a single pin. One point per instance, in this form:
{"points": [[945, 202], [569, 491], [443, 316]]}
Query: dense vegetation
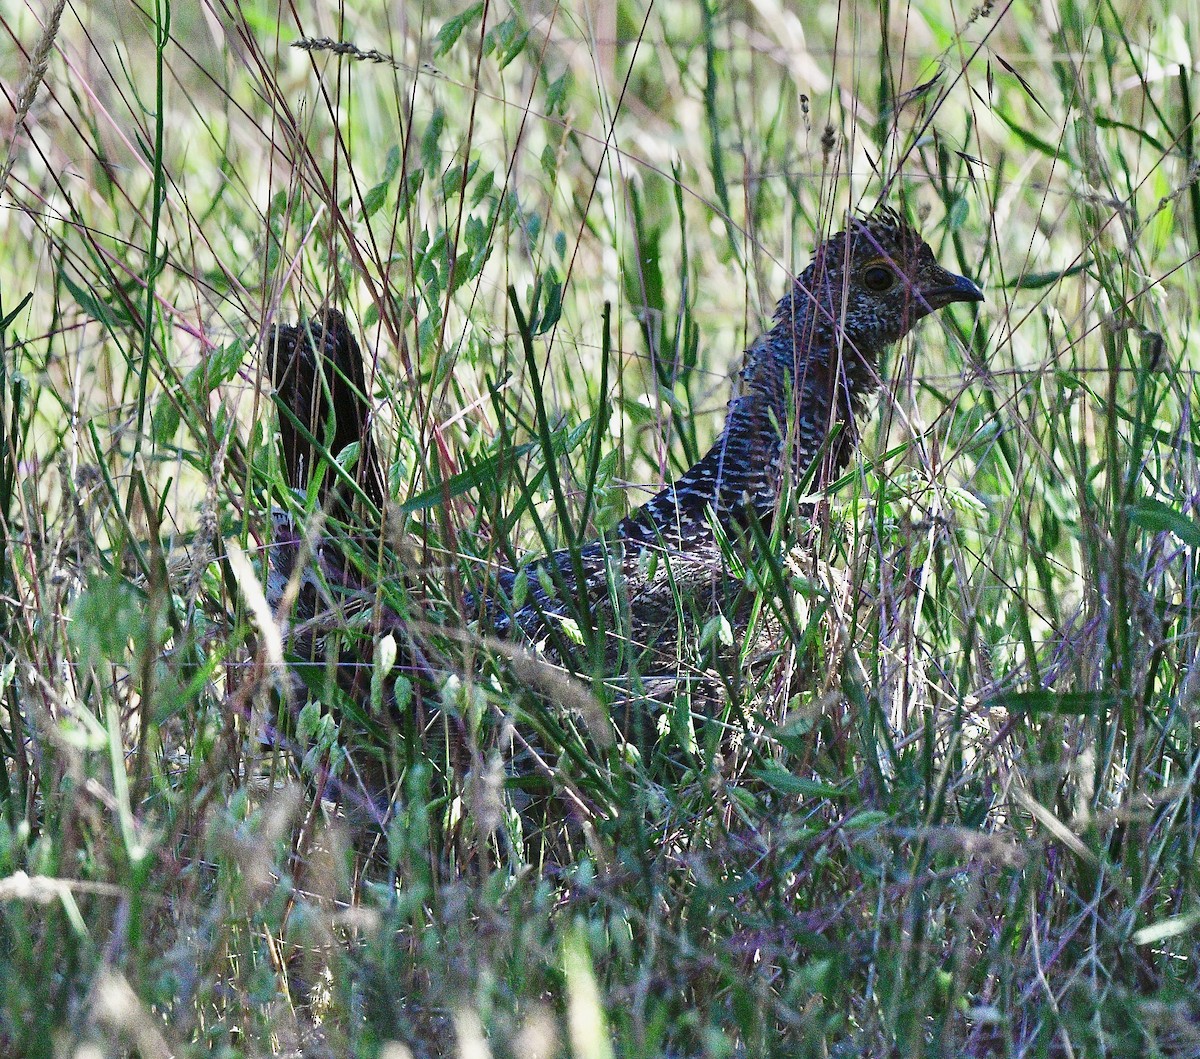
{"points": [[954, 814]]}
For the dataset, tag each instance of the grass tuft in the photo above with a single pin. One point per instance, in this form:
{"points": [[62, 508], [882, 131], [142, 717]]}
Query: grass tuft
{"points": [[951, 813]]}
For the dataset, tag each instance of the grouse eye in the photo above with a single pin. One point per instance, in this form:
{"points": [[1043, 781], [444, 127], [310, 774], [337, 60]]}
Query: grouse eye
{"points": [[878, 278]]}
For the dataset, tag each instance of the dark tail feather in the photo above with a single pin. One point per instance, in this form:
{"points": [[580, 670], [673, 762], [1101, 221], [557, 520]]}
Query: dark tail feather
{"points": [[320, 390], [317, 370]]}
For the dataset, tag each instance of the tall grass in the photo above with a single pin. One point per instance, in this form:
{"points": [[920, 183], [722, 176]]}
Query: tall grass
{"points": [[952, 814]]}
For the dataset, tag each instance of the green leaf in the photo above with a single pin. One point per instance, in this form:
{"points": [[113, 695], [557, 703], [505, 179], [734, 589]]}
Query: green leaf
{"points": [[781, 780], [448, 35], [1025, 136], [744, 799], [374, 199], [556, 94], [483, 187], [1157, 517], [166, 420], [409, 189], [958, 213], [512, 49], [16, 312], [430, 152], [546, 583], [1038, 280], [550, 315], [92, 305], [485, 470], [866, 820], [571, 628], [1109, 123], [1064, 703], [218, 367], [391, 165], [520, 589], [452, 181], [718, 629], [682, 728]]}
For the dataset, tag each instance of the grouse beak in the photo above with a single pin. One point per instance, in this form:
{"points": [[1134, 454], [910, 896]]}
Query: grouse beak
{"points": [[951, 288]]}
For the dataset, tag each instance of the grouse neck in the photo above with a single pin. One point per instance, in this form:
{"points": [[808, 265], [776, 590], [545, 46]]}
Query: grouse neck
{"points": [[799, 379]]}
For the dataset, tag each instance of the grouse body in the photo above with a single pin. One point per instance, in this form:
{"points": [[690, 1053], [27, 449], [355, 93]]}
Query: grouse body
{"points": [[803, 385]]}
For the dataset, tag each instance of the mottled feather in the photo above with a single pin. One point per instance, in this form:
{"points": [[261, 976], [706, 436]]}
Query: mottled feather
{"points": [[803, 386]]}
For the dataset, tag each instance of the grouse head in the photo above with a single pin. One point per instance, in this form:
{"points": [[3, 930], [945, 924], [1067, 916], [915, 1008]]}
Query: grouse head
{"points": [[868, 285]]}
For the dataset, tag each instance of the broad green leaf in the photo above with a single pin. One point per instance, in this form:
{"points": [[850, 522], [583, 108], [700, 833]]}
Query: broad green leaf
{"points": [[1157, 517]]}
